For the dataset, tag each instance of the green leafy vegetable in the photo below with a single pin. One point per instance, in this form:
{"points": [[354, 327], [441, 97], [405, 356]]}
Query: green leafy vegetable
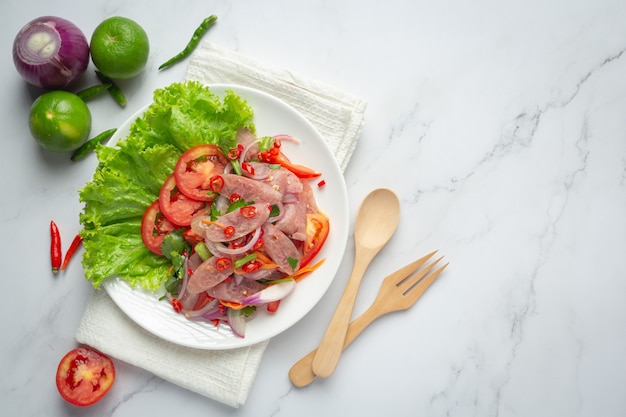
{"points": [[129, 176], [293, 262]]}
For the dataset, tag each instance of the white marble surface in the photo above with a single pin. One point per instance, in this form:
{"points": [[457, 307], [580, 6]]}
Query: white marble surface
{"points": [[501, 125]]}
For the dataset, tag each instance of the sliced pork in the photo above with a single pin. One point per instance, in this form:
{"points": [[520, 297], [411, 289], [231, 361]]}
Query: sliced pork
{"points": [[281, 249]]}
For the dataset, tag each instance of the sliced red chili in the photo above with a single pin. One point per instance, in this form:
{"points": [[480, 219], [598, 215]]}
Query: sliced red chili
{"points": [[216, 183], [176, 305], [234, 197], [229, 231], [251, 266], [272, 306], [235, 153], [223, 264], [258, 244], [248, 168], [248, 211], [321, 183]]}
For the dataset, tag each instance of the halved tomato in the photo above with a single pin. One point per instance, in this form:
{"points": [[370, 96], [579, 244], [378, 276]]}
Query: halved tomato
{"points": [[196, 167], [317, 229], [154, 227], [84, 376], [178, 208]]}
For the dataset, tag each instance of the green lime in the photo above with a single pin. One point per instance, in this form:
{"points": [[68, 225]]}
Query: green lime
{"points": [[119, 47], [60, 121]]}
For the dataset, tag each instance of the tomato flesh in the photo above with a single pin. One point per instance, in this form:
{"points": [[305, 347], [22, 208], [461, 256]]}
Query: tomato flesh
{"points": [[154, 227], [177, 207], [317, 229], [195, 168], [84, 376]]}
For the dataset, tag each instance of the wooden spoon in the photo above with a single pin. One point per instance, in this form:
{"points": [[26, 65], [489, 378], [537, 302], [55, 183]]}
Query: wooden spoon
{"points": [[376, 221]]}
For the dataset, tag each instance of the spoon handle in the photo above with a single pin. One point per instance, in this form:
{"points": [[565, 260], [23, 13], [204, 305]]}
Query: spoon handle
{"points": [[301, 373], [329, 350]]}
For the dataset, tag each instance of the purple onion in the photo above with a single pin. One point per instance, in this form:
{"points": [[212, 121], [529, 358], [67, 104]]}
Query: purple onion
{"points": [[50, 52]]}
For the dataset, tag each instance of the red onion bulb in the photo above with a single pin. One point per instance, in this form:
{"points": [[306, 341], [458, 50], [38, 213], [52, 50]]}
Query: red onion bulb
{"points": [[50, 52]]}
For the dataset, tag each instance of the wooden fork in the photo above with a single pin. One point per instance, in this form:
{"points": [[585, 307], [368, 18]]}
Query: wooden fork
{"points": [[398, 291]]}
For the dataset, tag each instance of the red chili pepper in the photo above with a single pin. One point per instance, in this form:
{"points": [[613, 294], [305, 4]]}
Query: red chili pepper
{"points": [[234, 197], [229, 231], [258, 244], [274, 156], [222, 308], [223, 264], [321, 183], [234, 153], [55, 247], [272, 306], [78, 239], [248, 211], [216, 183], [176, 305], [251, 266], [248, 168]]}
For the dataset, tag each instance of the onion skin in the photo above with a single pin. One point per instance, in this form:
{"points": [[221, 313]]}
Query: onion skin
{"points": [[50, 52]]}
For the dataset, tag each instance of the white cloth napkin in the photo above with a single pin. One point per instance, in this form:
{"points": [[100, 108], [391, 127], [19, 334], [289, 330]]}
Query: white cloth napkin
{"points": [[227, 375]]}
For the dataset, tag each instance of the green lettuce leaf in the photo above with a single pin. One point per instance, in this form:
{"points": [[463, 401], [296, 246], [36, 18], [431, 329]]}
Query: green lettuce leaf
{"points": [[129, 176]]}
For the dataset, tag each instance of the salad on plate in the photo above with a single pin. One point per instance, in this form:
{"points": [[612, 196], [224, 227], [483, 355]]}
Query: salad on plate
{"points": [[194, 206]]}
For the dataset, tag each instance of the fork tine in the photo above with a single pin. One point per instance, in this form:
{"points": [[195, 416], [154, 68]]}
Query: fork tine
{"points": [[402, 273], [406, 283], [420, 286]]}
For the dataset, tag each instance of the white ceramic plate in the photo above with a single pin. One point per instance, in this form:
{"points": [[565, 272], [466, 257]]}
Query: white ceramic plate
{"points": [[272, 117]]}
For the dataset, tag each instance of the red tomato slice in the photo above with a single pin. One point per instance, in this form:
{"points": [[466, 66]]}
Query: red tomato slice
{"points": [[317, 229], [192, 237], [154, 227], [84, 376], [178, 208], [196, 167]]}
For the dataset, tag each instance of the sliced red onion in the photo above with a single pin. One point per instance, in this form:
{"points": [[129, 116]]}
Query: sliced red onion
{"points": [[237, 322], [183, 286], [50, 52], [242, 156], [288, 138], [271, 293], [236, 251]]}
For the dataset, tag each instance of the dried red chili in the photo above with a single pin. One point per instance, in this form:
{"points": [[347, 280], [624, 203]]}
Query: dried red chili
{"points": [[55, 247]]}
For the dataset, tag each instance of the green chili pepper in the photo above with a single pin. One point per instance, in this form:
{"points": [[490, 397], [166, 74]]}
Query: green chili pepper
{"points": [[88, 147], [115, 91], [193, 42], [93, 91]]}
